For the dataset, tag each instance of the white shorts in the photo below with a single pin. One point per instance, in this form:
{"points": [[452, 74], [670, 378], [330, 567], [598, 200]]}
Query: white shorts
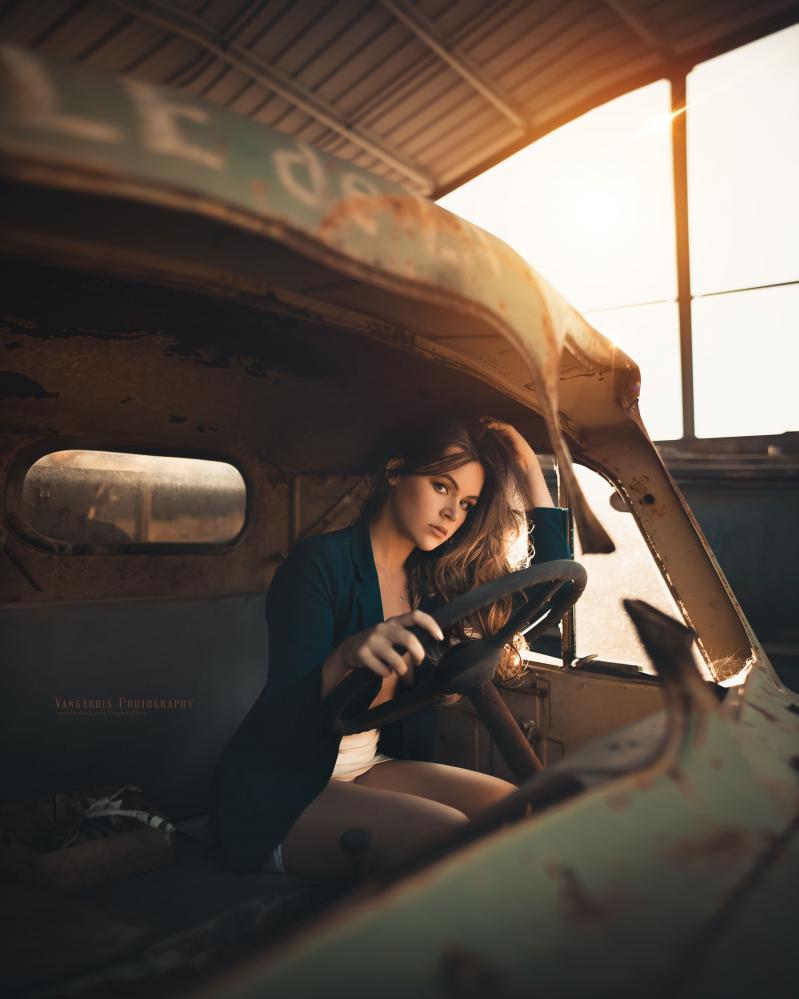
{"points": [[357, 754]]}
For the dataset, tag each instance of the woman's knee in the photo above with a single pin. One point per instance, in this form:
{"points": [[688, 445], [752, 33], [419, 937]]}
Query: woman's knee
{"points": [[496, 788], [468, 791], [480, 790], [399, 825], [439, 818], [424, 823]]}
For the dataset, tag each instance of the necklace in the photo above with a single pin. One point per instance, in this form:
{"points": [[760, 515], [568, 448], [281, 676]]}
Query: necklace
{"points": [[400, 593]]}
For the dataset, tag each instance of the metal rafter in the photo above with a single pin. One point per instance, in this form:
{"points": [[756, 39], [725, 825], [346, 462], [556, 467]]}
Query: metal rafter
{"points": [[681, 63], [415, 21], [642, 27], [194, 29]]}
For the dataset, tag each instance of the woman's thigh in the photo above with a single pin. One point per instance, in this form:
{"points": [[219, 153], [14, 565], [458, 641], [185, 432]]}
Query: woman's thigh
{"points": [[400, 824], [467, 790]]}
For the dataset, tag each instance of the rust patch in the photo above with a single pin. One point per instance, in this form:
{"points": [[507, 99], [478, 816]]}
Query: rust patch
{"points": [[677, 774], [721, 845], [766, 714], [258, 190], [645, 781], [618, 802], [466, 974], [716, 762], [578, 905], [13, 385]]}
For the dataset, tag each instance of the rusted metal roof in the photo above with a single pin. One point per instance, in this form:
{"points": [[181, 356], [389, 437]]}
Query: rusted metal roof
{"points": [[379, 248], [425, 94]]}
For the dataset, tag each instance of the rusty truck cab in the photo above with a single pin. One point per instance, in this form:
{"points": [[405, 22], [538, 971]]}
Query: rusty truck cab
{"points": [[205, 330]]}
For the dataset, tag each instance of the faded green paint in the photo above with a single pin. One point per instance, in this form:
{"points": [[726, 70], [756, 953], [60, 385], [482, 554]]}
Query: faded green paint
{"points": [[601, 895], [144, 133]]}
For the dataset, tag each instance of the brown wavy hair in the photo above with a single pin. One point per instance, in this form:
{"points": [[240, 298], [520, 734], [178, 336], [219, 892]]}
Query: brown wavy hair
{"points": [[478, 551]]}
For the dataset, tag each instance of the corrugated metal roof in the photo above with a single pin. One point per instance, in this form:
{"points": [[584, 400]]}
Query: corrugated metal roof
{"points": [[426, 94]]}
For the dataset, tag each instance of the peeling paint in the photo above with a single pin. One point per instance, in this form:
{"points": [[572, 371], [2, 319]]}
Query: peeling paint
{"points": [[14, 385], [579, 906], [720, 845], [468, 974], [766, 714]]}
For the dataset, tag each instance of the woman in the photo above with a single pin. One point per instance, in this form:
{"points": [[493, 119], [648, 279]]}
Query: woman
{"points": [[436, 523]]}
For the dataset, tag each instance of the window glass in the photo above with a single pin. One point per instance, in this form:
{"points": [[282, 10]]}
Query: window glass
{"points": [[650, 335], [603, 627], [744, 362], [590, 205], [110, 498], [743, 149]]}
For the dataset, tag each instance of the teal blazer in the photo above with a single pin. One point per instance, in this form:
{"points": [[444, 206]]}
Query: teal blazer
{"points": [[282, 756]]}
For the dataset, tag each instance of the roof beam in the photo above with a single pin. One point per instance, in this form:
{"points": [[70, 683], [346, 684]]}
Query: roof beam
{"points": [[642, 27], [415, 21], [194, 29], [682, 63]]}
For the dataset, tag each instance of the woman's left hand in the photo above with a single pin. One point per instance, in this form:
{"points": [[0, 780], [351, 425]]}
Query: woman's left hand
{"points": [[525, 455], [527, 459]]}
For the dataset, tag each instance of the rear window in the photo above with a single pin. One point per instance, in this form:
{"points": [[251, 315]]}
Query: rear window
{"points": [[112, 498]]}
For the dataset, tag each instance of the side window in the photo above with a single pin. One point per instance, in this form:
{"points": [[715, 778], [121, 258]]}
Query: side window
{"points": [[602, 626], [102, 498]]}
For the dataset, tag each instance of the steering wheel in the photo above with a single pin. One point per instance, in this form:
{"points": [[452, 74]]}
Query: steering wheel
{"points": [[468, 668]]}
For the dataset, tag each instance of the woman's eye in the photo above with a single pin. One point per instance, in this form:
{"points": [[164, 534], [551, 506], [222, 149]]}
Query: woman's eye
{"points": [[465, 504]]}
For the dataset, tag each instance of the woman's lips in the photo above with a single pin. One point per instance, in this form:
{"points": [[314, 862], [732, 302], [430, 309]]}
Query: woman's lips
{"points": [[438, 531]]}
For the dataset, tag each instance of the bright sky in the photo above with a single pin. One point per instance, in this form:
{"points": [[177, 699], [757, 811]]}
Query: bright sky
{"points": [[591, 207]]}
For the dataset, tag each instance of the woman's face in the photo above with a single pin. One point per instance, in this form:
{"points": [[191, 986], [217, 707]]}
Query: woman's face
{"points": [[422, 503]]}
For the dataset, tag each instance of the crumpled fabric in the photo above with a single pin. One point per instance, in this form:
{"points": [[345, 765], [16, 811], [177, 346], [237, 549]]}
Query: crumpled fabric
{"points": [[112, 814]]}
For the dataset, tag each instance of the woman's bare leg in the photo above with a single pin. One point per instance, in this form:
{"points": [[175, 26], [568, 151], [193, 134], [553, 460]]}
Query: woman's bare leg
{"points": [[467, 790], [400, 824]]}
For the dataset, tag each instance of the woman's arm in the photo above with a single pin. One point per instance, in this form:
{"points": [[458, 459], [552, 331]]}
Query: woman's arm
{"points": [[300, 612], [333, 671], [539, 491], [550, 522], [300, 615], [527, 461]]}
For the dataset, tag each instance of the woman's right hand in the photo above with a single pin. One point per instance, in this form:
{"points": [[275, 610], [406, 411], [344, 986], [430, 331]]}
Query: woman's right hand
{"points": [[373, 649]]}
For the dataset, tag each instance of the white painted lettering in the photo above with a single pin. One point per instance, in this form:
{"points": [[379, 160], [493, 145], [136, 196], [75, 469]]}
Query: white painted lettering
{"points": [[159, 119], [311, 190], [35, 101]]}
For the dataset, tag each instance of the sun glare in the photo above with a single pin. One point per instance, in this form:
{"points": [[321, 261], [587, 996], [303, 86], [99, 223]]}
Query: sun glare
{"points": [[591, 207]]}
